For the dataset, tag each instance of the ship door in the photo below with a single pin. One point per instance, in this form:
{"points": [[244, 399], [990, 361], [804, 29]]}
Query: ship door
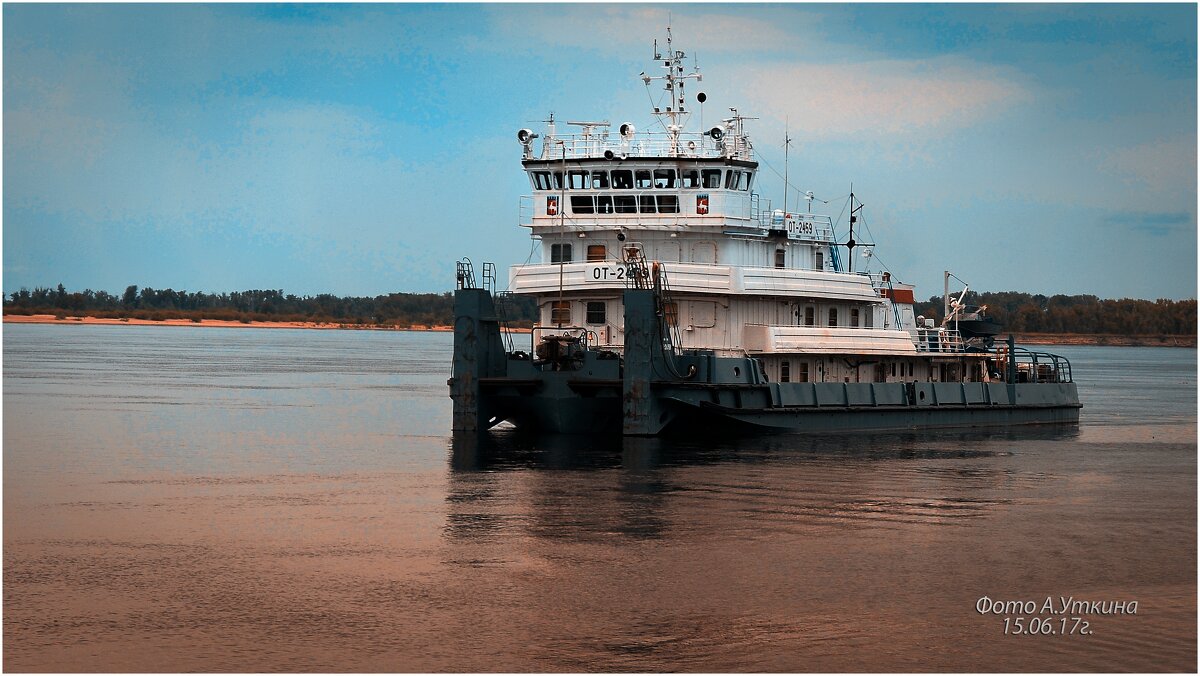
{"points": [[704, 253], [668, 252]]}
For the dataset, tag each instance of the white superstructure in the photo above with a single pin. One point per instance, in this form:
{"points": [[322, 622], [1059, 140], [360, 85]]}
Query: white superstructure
{"points": [[743, 279]]}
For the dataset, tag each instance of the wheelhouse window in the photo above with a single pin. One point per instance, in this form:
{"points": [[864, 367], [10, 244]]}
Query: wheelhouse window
{"points": [[577, 180], [560, 312], [625, 204], [668, 204], [712, 178], [665, 178], [622, 179], [604, 204], [541, 180], [595, 311], [731, 180], [599, 180], [691, 178], [833, 316], [560, 253], [747, 179], [558, 184], [596, 252], [642, 180], [780, 256], [583, 204], [646, 204]]}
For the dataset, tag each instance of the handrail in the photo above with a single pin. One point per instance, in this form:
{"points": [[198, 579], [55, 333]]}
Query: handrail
{"points": [[648, 144], [1037, 367]]}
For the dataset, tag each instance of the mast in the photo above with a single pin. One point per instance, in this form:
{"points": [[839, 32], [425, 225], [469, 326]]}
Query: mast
{"points": [[676, 113], [787, 142], [946, 296]]}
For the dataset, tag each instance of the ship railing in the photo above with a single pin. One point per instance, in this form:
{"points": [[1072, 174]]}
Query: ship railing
{"points": [[938, 341], [1034, 367], [653, 144]]}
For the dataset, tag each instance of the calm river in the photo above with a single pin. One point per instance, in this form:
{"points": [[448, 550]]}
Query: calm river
{"points": [[180, 499]]}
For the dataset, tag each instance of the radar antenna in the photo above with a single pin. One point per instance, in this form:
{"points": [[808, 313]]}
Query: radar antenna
{"points": [[676, 113]]}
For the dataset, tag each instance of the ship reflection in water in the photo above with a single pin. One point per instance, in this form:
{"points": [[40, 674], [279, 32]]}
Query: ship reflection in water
{"points": [[240, 500]]}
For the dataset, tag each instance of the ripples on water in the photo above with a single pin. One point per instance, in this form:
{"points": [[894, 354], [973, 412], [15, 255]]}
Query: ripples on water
{"points": [[204, 499]]}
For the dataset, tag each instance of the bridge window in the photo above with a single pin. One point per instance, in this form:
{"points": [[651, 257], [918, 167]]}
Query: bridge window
{"points": [[596, 252], [560, 253], [577, 180], [785, 371], [802, 376], [712, 178], [646, 204], [668, 204], [583, 204], [731, 180], [854, 317], [833, 316], [595, 312], [560, 312], [779, 258], [642, 179], [747, 179], [691, 178], [622, 179], [625, 204], [558, 180], [541, 180], [604, 204], [599, 180], [665, 178]]}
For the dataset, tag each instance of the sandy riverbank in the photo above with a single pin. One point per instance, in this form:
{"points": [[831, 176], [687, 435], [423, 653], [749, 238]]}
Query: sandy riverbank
{"points": [[1155, 340], [220, 323]]}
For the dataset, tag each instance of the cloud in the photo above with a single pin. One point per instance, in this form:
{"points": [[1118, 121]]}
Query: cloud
{"points": [[1156, 163], [882, 98], [631, 30], [1157, 224]]}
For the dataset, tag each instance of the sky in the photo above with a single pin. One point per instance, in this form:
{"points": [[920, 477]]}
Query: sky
{"points": [[362, 149]]}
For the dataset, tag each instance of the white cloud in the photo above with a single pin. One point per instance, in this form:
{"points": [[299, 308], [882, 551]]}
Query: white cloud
{"points": [[1164, 162], [881, 98]]}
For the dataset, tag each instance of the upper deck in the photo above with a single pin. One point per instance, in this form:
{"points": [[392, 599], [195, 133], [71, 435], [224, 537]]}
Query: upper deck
{"points": [[722, 143]]}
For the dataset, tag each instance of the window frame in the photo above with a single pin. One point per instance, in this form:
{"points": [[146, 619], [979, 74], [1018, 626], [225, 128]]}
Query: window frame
{"points": [[590, 310]]}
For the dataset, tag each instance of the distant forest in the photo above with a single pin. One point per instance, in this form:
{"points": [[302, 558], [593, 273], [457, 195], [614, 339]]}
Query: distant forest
{"points": [[1017, 312], [1034, 313], [394, 309]]}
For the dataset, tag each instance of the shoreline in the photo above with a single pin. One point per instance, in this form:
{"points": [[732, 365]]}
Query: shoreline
{"points": [[217, 323], [1106, 339], [1155, 340]]}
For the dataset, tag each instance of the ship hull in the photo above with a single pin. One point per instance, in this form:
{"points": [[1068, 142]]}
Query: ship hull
{"points": [[647, 392]]}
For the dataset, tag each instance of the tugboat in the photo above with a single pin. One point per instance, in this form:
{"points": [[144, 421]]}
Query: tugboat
{"points": [[672, 296]]}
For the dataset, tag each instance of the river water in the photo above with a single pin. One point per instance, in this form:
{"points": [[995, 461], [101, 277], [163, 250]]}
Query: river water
{"points": [[181, 499]]}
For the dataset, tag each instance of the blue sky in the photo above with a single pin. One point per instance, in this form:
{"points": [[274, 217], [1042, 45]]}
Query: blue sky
{"points": [[361, 149]]}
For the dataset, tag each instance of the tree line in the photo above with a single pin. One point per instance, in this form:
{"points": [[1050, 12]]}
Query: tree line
{"points": [[1035, 313], [1015, 311], [393, 309]]}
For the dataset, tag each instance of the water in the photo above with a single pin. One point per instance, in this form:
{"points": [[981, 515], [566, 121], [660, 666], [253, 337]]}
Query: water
{"points": [[181, 499]]}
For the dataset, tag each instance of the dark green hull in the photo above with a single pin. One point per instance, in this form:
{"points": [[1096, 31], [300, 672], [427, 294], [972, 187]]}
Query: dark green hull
{"points": [[650, 391]]}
